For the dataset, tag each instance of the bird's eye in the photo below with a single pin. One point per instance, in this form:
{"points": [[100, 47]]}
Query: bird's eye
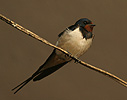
{"points": [[85, 22]]}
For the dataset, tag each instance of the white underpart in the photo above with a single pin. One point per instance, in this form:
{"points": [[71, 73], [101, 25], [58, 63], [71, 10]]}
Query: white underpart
{"points": [[73, 42]]}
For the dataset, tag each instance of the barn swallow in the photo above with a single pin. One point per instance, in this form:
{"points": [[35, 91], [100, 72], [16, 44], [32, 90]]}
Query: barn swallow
{"points": [[75, 39]]}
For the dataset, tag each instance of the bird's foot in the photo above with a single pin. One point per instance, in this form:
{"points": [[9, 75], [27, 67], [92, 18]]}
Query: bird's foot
{"points": [[76, 61], [69, 54]]}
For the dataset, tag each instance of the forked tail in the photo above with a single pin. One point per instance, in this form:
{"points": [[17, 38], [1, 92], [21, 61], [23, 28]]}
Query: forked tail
{"points": [[40, 74], [22, 84]]}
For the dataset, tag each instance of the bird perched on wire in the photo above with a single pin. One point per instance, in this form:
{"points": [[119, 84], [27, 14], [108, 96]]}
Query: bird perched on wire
{"points": [[75, 39]]}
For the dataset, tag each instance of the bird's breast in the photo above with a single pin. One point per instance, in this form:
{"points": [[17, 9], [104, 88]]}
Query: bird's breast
{"points": [[74, 43]]}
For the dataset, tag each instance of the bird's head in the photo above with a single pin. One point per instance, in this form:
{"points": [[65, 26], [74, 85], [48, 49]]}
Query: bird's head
{"points": [[86, 24], [86, 27]]}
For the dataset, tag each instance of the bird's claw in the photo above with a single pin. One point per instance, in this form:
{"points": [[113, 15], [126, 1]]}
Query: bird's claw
{"points": [[76, 61], [69, 54]]}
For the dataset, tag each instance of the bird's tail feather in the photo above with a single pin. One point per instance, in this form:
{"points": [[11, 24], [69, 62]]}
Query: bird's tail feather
{"points": [[48, 71], [39, 74], [22, 84]]}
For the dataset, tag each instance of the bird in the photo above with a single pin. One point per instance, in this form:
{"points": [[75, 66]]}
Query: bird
{"points": [[76, 39]]}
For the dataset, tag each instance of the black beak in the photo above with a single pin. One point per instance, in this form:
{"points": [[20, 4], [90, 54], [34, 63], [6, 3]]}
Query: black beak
{"points": [[92, 25]]}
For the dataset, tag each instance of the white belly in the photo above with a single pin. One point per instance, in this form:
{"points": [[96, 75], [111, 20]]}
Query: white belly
{"points": [[74, 43]]}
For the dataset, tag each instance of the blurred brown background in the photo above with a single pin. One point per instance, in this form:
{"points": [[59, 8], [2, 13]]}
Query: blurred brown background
{"points": [[21, 55]]}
